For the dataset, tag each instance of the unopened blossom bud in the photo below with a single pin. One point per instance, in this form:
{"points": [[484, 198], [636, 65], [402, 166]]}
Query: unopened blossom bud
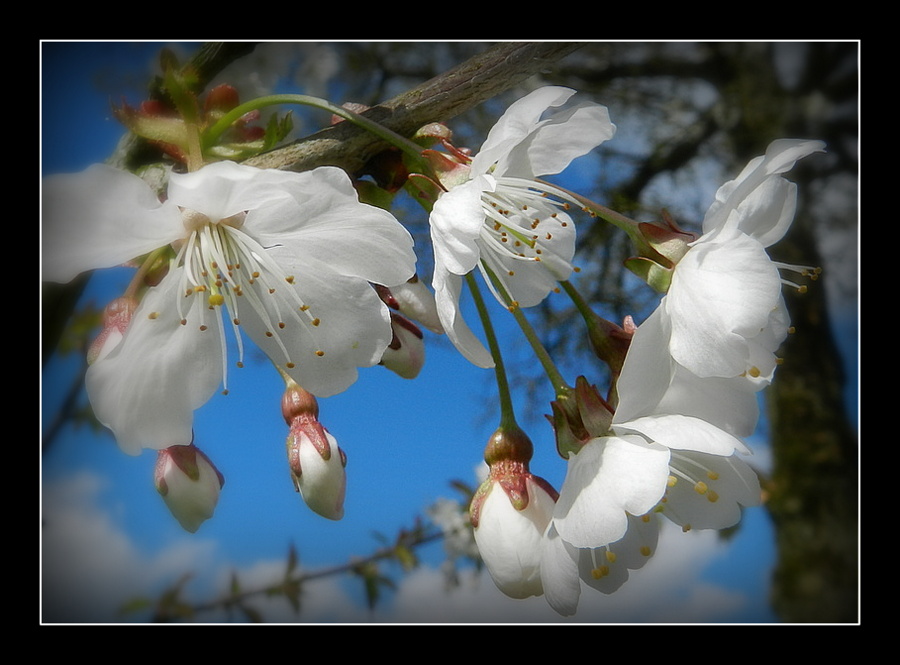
{"points": [[579, 416], [415, 301], [189, 484], [510, 512], [116, 318], [315, 460], [405, 355]]}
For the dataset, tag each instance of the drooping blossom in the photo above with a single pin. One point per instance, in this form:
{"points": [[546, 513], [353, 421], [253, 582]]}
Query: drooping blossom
{"points": [[189, 483], [286, 257], [725, 310], [497, 217]]}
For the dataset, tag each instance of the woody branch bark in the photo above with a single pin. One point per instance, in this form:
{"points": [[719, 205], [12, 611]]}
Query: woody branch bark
{"points": [[439, 99]]}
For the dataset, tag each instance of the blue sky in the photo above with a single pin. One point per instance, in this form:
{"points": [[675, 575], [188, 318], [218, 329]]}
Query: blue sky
{"points": [[108, 536]]}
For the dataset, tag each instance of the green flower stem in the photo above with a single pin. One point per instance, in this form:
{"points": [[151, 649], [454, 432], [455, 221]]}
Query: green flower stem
{"points": [[507, 414], [580, 303], [619, 220], [409, 147], [553, 374]]}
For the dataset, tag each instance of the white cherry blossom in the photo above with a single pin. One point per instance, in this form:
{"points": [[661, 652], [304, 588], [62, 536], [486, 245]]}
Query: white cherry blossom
{"points": [[501, 220], [285, 257], [725, 309]]}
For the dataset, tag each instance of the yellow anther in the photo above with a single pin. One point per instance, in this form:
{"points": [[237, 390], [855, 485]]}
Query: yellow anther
{"points": [[320, 353], [754, 372], [645, 550], [712, 475], [712, 496], [686, 528], [290, 365], [600, 571], [610, 556], [315, 321], [671, 482], [216, 299], [645, 518], [289, 279], [700, 487], [153, 315]]}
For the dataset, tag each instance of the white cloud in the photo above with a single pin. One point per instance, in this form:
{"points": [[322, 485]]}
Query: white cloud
{"points": [[90, 567]]}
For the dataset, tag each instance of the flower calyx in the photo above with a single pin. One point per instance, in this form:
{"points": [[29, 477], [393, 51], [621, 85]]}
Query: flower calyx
{"points": [[662, 245], [579, 416]]}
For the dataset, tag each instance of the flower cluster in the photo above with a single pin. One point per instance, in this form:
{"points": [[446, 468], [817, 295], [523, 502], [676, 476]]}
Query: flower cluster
{"points": [[325, 284], [685, 397]]}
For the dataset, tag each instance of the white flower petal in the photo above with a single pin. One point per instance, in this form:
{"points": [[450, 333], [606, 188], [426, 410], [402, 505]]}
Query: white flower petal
{"points": [[456, 222], [222, 189], [780, 157], [563, 137], [559, 573], [517, 122], [322, 483], [100, 218], [608, 478], [680, 432], [147, 388], [721, 294], [345, 326], [709, 490], [607, 568], [447, 289], [323, 217], [510, 540]]}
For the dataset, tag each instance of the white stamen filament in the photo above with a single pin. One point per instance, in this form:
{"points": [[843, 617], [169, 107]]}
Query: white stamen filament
{"points": [[222, 265]]}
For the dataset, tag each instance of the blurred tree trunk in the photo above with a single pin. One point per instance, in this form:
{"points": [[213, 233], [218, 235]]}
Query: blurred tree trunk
{"points": [[813, 490]]}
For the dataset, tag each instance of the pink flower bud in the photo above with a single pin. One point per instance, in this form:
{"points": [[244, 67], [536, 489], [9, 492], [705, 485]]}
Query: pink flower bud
{"points": [[415, 301], [405, 355], [116, 318], [189, 484], [315, 460]]}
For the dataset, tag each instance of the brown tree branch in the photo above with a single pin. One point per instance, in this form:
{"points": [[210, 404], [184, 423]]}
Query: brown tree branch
{"points": [[443, 97]]}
